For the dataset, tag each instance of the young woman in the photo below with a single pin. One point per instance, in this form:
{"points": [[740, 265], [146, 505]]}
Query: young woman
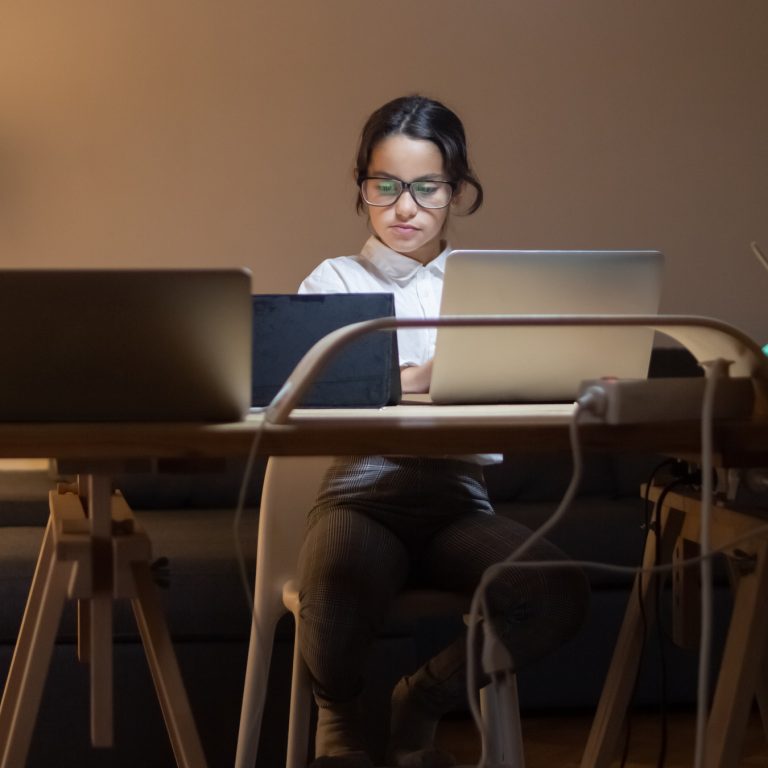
{"points": [[381, 523]]}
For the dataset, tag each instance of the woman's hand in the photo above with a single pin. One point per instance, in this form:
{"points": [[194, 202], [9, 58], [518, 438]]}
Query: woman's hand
{"points": [[415, 379]]}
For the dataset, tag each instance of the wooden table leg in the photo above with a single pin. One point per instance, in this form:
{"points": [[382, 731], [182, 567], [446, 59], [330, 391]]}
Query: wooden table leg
{"points": [[741, 666], [761, 694], [99, 492], [34, 646], [133, 580], [603, 740], [22, 649], [164, 667]]}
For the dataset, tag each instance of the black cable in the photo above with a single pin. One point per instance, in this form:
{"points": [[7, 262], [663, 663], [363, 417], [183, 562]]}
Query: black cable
{"points": [[688, 479], [648, 526]]}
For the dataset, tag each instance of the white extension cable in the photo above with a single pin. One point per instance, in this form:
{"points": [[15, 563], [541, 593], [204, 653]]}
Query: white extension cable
{"points": [[715, 370]]}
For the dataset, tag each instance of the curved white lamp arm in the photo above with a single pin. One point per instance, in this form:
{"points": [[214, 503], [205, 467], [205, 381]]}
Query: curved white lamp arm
{"points": [[704, 337]]}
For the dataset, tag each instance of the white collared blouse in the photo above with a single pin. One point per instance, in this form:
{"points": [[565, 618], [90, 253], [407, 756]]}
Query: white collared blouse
{"points": [[417, 289]]}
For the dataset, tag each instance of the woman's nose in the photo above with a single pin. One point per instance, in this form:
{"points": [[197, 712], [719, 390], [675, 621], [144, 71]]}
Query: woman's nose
{"points": [[405, 204]]}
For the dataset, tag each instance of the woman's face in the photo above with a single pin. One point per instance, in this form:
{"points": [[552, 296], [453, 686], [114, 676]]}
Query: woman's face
{"points": [[404, 226]]}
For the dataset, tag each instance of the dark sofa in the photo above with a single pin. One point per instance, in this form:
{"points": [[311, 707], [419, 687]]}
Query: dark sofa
{"points": [[189, 519]]}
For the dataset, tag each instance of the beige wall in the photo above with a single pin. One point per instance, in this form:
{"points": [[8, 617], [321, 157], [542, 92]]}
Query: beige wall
{"points": [[183, 132]]}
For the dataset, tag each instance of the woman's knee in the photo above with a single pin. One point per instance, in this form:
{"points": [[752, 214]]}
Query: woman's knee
{"points": [[535, 620]]}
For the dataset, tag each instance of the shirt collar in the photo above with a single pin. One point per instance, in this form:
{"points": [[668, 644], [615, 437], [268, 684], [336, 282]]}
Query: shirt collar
{"points": [[397, 267]]}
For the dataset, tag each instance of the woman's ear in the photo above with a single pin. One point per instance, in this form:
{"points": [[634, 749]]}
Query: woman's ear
{"points": [[458, 194]]}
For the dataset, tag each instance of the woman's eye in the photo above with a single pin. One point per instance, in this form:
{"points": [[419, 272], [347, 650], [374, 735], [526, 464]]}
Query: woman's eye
{"points": [[386, 188], [426, 189]]}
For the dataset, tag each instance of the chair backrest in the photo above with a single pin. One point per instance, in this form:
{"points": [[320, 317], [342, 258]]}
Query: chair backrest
{"points": [[289, 490]]}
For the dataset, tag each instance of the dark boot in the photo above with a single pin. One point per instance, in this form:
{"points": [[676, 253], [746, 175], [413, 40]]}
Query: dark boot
{"points": [[418, 703], [339, 741]]}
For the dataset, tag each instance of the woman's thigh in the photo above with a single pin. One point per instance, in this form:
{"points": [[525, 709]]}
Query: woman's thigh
{"points": [[534, 608], [458, 554], [350, 569], [350, 565]]}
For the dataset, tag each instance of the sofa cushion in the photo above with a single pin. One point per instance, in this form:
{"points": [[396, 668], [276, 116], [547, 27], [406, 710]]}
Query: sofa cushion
{"points": [[594, 528]]}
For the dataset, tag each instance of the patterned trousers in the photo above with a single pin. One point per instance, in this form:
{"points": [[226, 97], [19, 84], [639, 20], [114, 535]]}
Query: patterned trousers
{"points": [[381, 524]]}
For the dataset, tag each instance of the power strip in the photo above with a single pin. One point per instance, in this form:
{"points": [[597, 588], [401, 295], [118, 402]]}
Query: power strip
{"points": [[635, 401]]}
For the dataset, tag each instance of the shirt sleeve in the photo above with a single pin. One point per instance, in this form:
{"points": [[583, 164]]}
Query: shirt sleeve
{"points": [[324, 279]]}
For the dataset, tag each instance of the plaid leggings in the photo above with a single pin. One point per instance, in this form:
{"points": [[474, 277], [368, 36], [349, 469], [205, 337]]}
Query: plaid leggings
{"points": [[381, 524]]}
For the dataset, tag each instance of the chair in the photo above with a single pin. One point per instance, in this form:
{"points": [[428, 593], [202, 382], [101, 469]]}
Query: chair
{"points": [[290, 486]]}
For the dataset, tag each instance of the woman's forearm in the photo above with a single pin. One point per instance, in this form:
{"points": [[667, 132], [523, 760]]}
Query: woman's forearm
{"points": [[415, 379]]}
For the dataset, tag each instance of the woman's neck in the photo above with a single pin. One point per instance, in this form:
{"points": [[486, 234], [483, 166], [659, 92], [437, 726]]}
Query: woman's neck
{"points": [[423, 255]]}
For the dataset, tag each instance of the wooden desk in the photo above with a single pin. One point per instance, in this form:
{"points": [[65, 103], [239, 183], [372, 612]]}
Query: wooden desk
{"points": [[92, 514], [415, 429]]}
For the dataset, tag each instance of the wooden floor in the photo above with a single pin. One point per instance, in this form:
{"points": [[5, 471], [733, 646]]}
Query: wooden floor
{"points": [[558, 742]]}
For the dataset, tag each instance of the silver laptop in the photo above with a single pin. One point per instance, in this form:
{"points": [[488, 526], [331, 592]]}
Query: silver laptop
{"points": [[529, 364], [125, 345]]}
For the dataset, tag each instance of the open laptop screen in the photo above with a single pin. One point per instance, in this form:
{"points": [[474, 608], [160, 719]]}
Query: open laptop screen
{"points": [[530, 364]]}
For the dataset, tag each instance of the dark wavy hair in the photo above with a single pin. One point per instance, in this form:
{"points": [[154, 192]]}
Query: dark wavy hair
{"points": [[420, 118]]}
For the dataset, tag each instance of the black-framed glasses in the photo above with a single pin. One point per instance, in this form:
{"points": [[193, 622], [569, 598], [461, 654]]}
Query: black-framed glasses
{"points": [[381, 191]]}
